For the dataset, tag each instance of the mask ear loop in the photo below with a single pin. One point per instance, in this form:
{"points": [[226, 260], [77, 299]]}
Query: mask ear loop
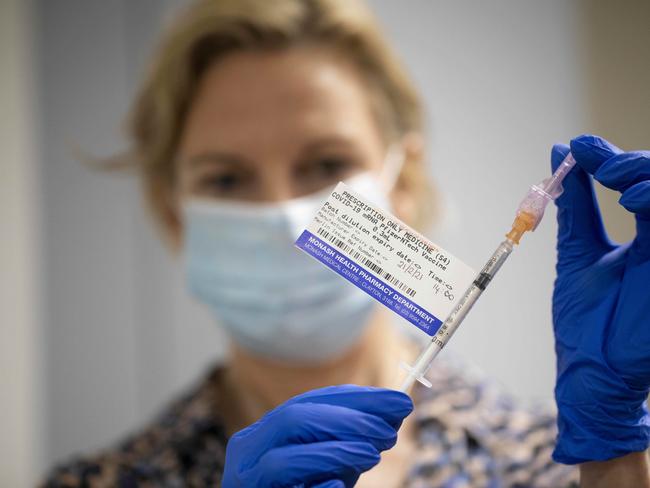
{"points": [[393, 164]]}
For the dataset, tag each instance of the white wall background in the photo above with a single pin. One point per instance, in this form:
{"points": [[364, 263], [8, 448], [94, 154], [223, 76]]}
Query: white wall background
{"points": [[20, 413], [502, 80]]}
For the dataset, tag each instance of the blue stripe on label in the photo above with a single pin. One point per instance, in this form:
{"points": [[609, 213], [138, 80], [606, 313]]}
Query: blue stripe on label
{"points": [[368, 282]]}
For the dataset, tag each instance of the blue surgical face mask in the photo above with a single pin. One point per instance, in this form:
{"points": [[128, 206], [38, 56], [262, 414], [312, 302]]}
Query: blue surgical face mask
{"points": [[272, 298]]}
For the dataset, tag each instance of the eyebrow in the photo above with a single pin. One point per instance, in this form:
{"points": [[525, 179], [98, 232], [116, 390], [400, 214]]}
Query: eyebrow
{"points": [[326, 142], [231, 159], [216, 157]]}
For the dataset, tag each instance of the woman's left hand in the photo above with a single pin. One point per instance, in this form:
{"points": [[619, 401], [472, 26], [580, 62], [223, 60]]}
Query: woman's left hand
{"points": [[601, 308]]}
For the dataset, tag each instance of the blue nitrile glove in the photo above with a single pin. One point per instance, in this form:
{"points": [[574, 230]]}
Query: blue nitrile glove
{"points": [[324, 438], [601, 308]]}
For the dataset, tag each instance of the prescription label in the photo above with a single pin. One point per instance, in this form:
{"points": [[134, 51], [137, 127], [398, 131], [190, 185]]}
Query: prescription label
{"points": [[385, 258]]}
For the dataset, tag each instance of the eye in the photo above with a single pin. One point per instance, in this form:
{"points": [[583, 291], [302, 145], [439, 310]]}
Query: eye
{"points": [[327, 168], [221, 184], [332, 166]]}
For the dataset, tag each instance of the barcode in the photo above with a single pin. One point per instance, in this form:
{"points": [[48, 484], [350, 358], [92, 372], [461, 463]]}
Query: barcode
{"points": [[360, 257]]}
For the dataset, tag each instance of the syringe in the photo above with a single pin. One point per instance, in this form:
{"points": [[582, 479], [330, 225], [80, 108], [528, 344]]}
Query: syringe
{"points": [[529, 214]]}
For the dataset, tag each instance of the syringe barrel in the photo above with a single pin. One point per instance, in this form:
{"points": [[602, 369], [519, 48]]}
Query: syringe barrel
{"points": [[473, 292], [459, 312], [529, 214], [426, 357]]}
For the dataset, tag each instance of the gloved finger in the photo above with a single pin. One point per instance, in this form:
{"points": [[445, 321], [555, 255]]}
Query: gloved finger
{"points": [[590, 151], [310, 463], [636, 199], [628, 342], [391, 405], [330, 484], [306, 423], [581, 234], [623, 170]]}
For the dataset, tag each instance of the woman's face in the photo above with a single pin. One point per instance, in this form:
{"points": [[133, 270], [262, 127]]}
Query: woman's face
{"points": [[270, 126]]}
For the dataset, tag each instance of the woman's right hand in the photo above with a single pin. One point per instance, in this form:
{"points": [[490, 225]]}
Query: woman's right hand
{"points": [[324, 438]]}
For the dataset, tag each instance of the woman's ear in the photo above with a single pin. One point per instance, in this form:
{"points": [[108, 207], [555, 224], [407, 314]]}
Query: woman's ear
{"points": [[404, 195], [173, 225], [166, 207]]}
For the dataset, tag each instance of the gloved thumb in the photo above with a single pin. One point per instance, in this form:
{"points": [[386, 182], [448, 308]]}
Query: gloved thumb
{"points": [[581, 237]]}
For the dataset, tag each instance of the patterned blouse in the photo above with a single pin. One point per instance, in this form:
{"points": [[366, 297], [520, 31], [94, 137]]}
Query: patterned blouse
{"points": [[468, 433]]}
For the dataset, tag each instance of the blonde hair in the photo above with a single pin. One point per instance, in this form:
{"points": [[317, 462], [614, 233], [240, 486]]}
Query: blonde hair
{"points": [[211, 29]]}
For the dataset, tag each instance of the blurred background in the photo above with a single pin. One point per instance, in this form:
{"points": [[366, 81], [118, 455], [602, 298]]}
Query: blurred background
{"points": [[97, 331]]}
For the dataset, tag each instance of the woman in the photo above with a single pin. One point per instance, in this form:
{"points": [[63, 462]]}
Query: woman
{"points": [[251, 111]]}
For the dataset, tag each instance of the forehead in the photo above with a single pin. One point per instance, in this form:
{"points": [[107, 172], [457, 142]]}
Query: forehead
{"points": [[278, 98]]}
